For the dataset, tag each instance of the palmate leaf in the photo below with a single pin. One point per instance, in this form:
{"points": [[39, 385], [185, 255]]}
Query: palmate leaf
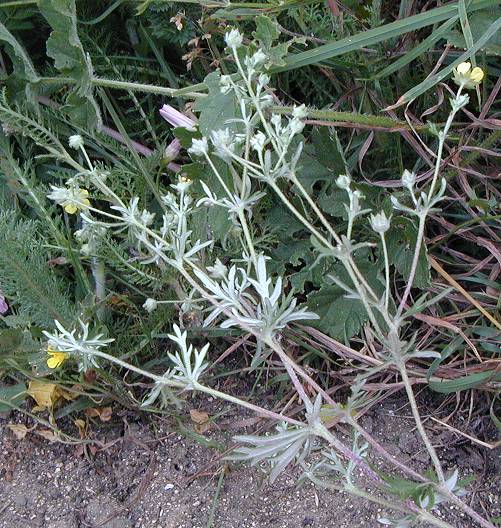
{"points": [[70, 59], [341, 316], [215, 109]]}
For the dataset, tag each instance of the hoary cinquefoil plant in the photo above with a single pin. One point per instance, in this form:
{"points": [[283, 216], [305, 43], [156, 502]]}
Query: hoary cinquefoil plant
{"points": [[262, 153]]}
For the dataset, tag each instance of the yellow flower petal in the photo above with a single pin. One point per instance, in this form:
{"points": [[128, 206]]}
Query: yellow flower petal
{"points": [[70, 208], [53, 362], [463, 68], [86, 202], [477, 74], [56, 359], [84, 192]]}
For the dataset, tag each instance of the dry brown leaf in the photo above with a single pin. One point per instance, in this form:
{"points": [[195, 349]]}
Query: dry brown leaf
{"points": [[82, 427], [48, 435], [19, 430], [45, 394], [201, 420], [103, 413]]}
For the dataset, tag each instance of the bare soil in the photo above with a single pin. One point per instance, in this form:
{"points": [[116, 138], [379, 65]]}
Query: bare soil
{"points": [[148, 475]]}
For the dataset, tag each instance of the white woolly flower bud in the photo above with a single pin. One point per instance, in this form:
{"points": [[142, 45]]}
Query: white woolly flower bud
{"points": [[218, 271], [76, 141], [258, 141], [198, 147], [147, 217], [299, 112], [263, 80], [258, 58], [150, 305], [343, 181], [295, 126], [233, 39], [223, 142], [380, 223], [408, 179], [225, 83]]}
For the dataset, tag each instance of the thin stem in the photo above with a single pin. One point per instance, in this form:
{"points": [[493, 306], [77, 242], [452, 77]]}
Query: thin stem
{"points": [[415, 260], [387, 272], [469, 511], [315, 208], [419, 424]]}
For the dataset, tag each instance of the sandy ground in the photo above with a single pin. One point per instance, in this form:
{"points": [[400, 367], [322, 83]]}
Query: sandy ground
{"points": [[151, 476]]}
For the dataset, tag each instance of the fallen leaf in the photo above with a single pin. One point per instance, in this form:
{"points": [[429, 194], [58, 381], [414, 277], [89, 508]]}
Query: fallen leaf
{"points": [[82, 427], [201, 420], [48, 435], [103, 413], [19, 430], [45, 394]]}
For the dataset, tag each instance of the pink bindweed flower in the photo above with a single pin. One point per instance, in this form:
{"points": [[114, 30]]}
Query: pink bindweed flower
{"points": [[176, 118], [3, 305], [172, 150]]}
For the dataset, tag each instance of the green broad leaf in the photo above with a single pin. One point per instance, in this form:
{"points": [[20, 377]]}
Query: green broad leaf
{"points": [[464, 383], [266, 31], [13, 395], [401, 242], [340, 317], [24, 71], [70, 59], [21, 62], [479, 23], [216, 108], [310, 171], [328, 149]]}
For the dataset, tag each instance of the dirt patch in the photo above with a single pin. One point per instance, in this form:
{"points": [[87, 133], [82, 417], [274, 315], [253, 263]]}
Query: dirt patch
{"points": [[151, 476]]}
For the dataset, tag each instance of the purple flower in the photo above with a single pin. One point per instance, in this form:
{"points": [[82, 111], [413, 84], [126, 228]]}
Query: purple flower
{"points": [[3, 305], [172, 150], [176, 118]]}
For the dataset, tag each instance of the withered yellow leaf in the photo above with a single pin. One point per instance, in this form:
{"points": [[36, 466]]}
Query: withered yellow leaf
{"points": [[103, 413], [48, 435], [201, 420], [45, 394], [19, 430]]}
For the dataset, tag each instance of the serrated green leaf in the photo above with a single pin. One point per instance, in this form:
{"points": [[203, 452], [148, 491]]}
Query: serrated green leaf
{"points": [[216, 108], [70, 59], [266, 31], [341, 318]]}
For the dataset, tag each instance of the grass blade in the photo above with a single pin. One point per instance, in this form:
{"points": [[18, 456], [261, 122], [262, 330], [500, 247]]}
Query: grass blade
{"points": [[421, 48], [445, 72], [379, 34]]}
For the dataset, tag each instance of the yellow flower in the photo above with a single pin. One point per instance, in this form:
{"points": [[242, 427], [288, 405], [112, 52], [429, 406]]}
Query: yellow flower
{"points": [[466, 77], [78, 201], [57, 358]]}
